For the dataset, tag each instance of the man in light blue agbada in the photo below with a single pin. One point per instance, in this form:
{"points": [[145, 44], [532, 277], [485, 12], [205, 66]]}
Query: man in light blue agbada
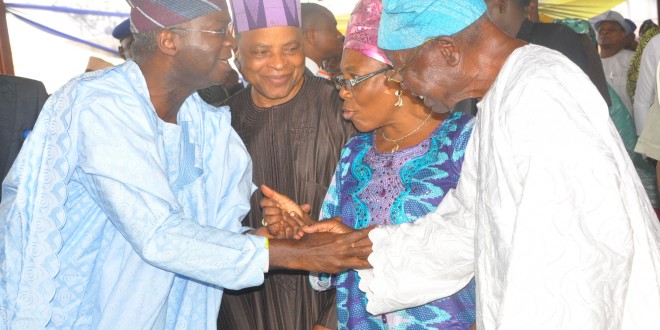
{"points": [[118, 187], [123, 209]]}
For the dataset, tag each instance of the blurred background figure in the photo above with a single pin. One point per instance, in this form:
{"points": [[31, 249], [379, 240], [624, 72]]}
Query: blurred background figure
{"points": [[623, 121], [331, 66], [122, 32], [321, 39], [218, 94], [641, 86], [21, 100], [630, 40], [511, 17], [532, 11], [649, 140], [647, 24], [612, 30]]}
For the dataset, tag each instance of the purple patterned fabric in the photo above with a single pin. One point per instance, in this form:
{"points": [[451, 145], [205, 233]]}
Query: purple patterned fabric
{"points": [[258, 14], [362, 31], [369, 188], [386, 185], [147, 15]]}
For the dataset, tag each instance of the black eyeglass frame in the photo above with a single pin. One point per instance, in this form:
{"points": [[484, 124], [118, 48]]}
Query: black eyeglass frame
{"points": [[340, 81]]}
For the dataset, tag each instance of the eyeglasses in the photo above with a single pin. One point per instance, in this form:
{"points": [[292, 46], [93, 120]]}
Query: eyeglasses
{"points": [[395, 75], [340, 81], [225, 32]]}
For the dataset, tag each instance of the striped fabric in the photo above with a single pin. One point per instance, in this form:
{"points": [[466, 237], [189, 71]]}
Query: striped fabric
{"points": [[257, 14], [147, 15]]}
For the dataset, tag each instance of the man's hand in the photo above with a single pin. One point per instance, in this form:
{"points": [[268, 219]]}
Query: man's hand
{"points": [[323, 252]]}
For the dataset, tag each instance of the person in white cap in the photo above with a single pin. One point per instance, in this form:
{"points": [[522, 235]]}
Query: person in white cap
{"points": [[612, 30]]}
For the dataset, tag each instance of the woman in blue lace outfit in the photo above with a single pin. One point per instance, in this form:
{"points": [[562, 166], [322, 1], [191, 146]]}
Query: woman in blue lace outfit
{"points": [[396, 172]]}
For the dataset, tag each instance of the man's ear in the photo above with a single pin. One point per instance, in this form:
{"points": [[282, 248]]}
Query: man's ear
{"points": [[310, 36], [501, 5], [449, 50], [167, 42]]}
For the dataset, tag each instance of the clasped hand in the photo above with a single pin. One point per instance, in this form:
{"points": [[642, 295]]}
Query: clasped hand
{"points": [[328, 245], [286, 219]]}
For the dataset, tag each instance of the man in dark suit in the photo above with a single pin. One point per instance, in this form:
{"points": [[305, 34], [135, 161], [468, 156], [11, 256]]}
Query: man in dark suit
{"points": [[21, 100]]}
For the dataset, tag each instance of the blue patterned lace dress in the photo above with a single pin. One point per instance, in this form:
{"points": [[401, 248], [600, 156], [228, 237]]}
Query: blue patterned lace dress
{"points": [[369, 188]]}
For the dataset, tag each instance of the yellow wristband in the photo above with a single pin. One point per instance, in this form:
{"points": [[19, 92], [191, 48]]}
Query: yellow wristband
{"points": [[267, 243]]}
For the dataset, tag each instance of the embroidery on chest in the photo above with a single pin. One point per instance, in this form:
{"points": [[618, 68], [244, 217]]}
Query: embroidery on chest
{"points": [[301, 129]]}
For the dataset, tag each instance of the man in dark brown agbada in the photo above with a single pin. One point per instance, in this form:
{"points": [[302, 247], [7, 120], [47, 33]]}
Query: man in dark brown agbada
{"points": [[292, 127]]}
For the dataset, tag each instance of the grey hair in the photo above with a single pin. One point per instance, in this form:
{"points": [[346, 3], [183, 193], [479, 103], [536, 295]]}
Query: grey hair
{"points": [[144, 45]]}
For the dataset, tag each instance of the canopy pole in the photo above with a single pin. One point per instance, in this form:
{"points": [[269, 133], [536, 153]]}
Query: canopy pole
{"points": [[6, 62]]}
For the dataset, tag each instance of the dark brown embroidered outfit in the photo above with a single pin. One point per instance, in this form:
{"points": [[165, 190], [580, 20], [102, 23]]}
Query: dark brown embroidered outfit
{"points": [[295, 148]]}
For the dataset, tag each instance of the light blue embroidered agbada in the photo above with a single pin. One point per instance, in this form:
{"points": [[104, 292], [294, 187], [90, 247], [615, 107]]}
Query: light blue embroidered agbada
{"points": [[114, 219]]}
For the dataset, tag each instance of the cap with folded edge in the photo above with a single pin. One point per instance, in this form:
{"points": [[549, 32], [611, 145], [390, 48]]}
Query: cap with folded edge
{"points": [[614, 16], [148, 15], [122, 30], [406, 24], [631, 25], [258, 14], [362, 31]]}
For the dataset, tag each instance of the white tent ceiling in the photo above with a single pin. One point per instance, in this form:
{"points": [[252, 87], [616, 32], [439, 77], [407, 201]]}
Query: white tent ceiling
{"points": [[54, 60]]}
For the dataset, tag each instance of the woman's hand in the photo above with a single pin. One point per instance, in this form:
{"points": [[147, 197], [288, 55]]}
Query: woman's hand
{"points": [[282, 215], [285, 203]]}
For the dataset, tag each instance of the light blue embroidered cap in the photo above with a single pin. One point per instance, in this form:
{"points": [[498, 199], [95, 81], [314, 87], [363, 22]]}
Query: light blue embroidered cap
{"points": [[406, 24]]}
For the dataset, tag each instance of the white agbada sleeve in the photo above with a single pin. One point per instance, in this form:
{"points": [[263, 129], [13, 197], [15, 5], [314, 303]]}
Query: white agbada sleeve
{"points": [[564, 235], [416, 263]]}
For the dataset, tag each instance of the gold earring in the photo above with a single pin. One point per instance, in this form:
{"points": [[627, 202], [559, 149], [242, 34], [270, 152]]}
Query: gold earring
{"points": [[399, 102]]}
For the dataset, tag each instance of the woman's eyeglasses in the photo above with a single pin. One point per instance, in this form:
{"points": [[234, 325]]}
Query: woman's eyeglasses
{"points": [[340, 81]]}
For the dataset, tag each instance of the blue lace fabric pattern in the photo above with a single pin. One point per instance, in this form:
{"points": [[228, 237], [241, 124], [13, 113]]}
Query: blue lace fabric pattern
{"points": [[369, 188], [114, 219]]}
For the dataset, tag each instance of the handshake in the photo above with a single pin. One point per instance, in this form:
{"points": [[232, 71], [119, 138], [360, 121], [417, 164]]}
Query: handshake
{"points": [[285, 219], [299, 242]]}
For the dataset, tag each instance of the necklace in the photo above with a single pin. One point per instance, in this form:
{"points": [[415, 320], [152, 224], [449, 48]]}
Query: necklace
{"points": [[396, 145]]}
